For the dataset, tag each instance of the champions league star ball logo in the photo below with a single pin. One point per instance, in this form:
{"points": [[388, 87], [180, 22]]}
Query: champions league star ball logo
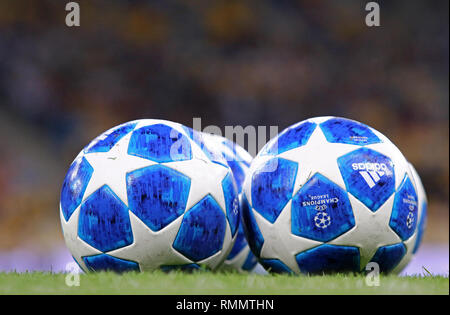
{"points": [[322, 220], [410, 220]]}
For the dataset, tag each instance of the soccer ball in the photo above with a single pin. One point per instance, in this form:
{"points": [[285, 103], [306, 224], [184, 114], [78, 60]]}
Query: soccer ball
{"points": [[241, 257], [330, 195], [144, 196]]}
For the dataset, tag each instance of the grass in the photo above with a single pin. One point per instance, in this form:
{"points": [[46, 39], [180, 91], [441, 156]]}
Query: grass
{"points": [[202, 283]]}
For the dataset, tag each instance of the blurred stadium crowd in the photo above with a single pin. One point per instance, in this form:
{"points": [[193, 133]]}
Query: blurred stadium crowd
{"points": [[229, 62]]}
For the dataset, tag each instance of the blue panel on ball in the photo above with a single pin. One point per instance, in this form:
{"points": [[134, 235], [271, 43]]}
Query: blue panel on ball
{"points": [[321, 210], [329, 259], [388, 257], [160, 143], [74, 186], [237, 156], [275, 265], [341, 130], [272, 186], [105, 262], [157, 195], [250, 262], [239, 244], [238, 169], [404, 212], [290, 138], [421, 227], [104, 222], [202, 230], [186, 267], [238, 163], [369, 176], [106, 141], [251, 229], [231, 202]]}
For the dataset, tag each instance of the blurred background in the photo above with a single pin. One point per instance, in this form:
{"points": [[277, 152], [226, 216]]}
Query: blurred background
{"points": [[228, 62]]}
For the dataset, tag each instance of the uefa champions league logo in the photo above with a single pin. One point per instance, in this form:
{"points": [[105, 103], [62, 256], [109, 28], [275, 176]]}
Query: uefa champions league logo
{"points": [[412, 204], [410, 220], [235, 206], [322, 219]]}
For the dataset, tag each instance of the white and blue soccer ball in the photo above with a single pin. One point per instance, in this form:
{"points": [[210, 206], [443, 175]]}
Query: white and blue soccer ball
{"points": [[241, 257], [144, 196], [330, 194]]}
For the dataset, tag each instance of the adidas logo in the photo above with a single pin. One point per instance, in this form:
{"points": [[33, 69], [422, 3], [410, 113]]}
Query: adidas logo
{"points": [[371, 172]]}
